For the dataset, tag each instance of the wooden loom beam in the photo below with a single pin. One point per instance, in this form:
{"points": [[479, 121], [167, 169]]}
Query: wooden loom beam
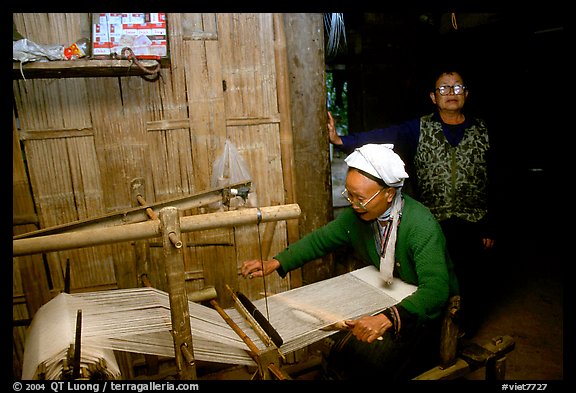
{"points": [[149, 229], [266, 360], [179, 310], [142, 212], [170, 227]]}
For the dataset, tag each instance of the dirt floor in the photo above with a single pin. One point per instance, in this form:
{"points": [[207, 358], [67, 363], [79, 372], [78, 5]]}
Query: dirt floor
{"points": [[528, 306]]}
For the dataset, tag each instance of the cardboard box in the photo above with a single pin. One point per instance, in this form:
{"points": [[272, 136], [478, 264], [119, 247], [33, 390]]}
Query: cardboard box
{"points": [[144, 33]]}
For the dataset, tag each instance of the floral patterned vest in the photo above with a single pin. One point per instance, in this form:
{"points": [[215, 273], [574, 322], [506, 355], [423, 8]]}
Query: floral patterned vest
{"points": [[452, 180]]}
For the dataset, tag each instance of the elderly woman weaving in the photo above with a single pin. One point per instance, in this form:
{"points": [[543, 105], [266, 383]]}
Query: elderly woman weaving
{"points": [[398, 235]]}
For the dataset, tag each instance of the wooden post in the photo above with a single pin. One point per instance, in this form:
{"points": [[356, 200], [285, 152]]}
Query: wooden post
{"points": [[305, 73], [300, 60], [496, 369], [286, 142], [179, 311], [449, 333]]}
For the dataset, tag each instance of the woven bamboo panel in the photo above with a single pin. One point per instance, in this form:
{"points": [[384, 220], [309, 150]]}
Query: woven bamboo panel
{"points": [[86, 139]]}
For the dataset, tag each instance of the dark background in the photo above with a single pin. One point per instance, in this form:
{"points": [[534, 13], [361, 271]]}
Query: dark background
{"points": [[514, 62]]}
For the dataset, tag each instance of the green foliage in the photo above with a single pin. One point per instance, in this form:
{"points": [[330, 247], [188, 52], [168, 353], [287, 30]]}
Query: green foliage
{"points": [[338, 107]]}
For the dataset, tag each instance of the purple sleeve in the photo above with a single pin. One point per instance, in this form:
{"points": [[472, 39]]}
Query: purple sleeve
{"points": [[405, 134]]}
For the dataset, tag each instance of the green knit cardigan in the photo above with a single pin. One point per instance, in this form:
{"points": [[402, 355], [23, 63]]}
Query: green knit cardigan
{"points": [[421, 256]]}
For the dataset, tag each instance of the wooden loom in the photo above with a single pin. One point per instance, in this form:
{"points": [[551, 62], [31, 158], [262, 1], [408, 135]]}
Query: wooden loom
{"points": [[172, 320], [144, 223], [141, 320]]}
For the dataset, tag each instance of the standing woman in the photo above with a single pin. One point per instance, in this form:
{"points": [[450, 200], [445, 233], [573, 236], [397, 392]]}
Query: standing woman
{"points": [[398, 235], [450, 153]]}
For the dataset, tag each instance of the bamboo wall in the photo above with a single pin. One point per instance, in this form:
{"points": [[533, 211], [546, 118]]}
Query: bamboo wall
{"points": [[78, 143]]}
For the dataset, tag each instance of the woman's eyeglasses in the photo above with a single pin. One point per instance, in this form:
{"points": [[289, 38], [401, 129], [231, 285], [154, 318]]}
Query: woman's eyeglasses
{"points": [[359, 204], [445, 90]]}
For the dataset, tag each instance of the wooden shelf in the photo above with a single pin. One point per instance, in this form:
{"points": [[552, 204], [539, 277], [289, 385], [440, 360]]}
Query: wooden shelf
{"points": [[83, 68]]}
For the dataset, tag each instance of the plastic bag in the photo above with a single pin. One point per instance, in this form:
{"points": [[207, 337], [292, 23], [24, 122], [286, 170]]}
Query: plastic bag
{"points": [[78, 49], [230, 168], [25, 50]]}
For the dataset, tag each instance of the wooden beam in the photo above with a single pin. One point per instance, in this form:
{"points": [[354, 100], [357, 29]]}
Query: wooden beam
{"points": [[491, 355], [82, 68], [137, 214], [148, 229], [179, 310], [458, 369]]}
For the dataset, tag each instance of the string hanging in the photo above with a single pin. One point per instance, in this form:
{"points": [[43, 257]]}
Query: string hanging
{"points": [[259, 220], [454, 22]]}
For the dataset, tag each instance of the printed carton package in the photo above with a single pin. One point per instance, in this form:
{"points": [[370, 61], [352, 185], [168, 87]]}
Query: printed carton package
{"points": [[144, 33]]}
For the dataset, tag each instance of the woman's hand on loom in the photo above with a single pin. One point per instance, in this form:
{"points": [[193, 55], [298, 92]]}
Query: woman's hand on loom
{"points": [[258, 268], [369, 328]]}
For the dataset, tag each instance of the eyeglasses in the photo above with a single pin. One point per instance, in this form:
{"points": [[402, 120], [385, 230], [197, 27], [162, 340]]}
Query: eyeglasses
{"points": [[358, 204], [445, 90]]}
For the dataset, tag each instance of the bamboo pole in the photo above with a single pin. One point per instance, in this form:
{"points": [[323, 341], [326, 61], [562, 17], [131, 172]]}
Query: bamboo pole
{"points": [[150, 229]]}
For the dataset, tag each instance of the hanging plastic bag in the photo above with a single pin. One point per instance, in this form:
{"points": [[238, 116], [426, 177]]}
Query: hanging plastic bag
{"points": [[230, 168]]}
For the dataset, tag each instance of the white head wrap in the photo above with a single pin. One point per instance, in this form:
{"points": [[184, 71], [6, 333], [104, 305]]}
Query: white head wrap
{"points": [[379, 161], [382, 162]]}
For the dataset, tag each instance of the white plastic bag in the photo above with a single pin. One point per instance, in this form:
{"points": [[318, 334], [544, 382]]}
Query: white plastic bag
{"points": [[25, 50], [230, 168]]}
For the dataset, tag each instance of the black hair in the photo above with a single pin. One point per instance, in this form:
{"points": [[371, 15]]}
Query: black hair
{"points": [[445, 68]]}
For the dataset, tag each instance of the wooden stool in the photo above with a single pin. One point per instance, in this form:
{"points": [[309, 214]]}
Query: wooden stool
{"points": [[455, 364]]}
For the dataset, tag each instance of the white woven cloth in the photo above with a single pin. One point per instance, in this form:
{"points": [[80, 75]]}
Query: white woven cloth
{"points": [[138, 320]]}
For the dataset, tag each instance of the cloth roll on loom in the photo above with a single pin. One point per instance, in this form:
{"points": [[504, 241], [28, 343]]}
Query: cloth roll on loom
{"points": [[138, 320]]}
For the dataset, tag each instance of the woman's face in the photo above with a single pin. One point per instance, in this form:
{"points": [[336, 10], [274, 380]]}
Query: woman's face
{"points": [[361, 189], [451, 101]]}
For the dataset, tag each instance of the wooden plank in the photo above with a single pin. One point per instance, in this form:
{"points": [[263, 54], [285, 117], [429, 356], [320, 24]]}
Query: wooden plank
{"points": [[459, 369], [51, 134], [199, 27], [163, 125], [248, 63], [83, 68], [249, 121]]}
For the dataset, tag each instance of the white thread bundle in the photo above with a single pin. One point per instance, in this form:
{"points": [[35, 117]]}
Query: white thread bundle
{"points": [[138, 320]]}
